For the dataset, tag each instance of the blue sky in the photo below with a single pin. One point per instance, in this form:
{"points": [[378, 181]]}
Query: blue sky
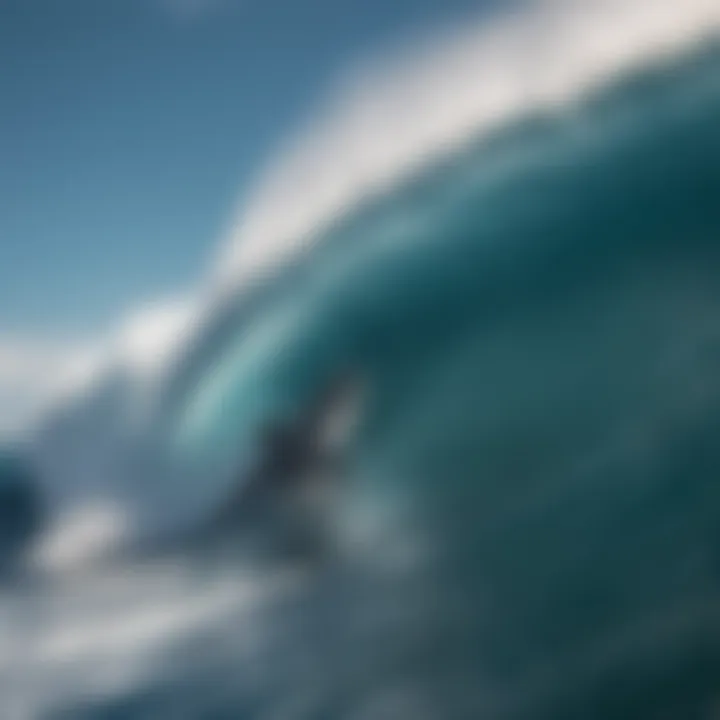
{"points": [[129, 130]]}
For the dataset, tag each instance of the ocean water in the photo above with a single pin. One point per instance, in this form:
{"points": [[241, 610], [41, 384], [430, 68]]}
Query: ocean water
{"points": [[529, 517]]}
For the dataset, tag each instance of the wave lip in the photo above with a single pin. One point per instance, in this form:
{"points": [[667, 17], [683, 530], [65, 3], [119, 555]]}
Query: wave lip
{"points": [[399, 113]]}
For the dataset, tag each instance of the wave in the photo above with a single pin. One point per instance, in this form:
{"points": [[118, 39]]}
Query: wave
{"points": [[22, 512], [532, 506], [455, 197], [500, 199]]}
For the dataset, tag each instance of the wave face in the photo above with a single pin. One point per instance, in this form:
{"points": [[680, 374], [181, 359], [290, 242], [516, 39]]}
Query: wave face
{"points": [[539, 317], [533, 505]]}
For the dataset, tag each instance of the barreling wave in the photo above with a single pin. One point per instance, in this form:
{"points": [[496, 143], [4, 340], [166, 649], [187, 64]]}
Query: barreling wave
{"points": [[406, 206], [526, 275]]}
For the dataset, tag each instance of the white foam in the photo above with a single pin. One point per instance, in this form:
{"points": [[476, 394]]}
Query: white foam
{"points": [[37, 376], [82, 535]]}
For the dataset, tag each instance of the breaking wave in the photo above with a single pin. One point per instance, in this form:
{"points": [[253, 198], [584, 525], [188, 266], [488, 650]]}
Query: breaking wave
{"points": [[514, 237]]}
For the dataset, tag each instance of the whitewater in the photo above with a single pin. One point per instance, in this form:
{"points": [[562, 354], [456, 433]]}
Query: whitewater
{"points": [[511, 230]]}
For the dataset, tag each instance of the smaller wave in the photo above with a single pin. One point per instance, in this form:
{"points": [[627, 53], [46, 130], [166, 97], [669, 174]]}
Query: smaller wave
{"points": [[21, 512]]}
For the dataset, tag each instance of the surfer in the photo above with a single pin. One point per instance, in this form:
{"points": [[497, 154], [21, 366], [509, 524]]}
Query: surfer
{"points": [[292, 485]]}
